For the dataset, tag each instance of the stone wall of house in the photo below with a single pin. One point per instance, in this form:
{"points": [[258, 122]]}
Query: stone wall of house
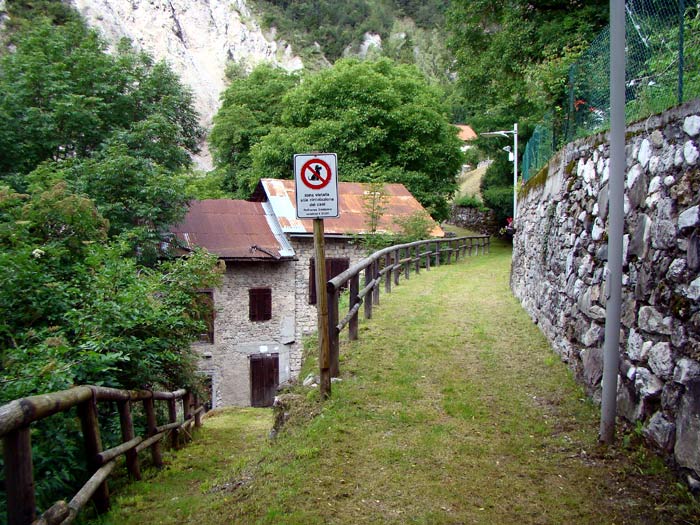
{"points": [[304, 249], [236, 337], [481, 221], [559, 269]]}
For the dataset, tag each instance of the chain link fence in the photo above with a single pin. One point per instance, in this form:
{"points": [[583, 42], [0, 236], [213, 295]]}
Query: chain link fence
{"points": [[662, 70]]}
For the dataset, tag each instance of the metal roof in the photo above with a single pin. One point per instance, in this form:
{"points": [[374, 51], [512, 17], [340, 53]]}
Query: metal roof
{"points": [[399, 203], [466, 133], [233, 229]]}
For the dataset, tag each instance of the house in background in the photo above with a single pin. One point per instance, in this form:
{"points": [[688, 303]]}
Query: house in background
{"points": [[266, 303]]}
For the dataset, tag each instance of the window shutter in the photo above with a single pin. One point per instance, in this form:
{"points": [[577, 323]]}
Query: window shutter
{"points": [[334, 267], [260, 304]]}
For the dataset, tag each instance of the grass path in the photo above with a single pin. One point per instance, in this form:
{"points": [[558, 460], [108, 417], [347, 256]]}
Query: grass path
{"points": [[452, 410]]}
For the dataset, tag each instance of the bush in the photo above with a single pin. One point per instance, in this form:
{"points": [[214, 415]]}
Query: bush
{"points": [[470, 201]]}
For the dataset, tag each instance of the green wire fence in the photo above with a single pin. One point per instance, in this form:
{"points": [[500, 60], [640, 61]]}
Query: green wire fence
{"points": [[662, 70]]}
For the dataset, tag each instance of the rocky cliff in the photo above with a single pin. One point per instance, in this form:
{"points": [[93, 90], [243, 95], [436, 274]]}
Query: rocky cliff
{"points": [[196, 37]]}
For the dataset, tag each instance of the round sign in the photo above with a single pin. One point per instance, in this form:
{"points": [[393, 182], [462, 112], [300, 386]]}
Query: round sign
{"points": [[316, 174]]}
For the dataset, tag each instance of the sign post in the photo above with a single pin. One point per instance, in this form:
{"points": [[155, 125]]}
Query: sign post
{"points": [[316, 189]]}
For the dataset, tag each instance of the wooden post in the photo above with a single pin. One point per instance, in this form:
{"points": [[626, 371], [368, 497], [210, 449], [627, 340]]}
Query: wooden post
{"points": [[87, 412], [151, 424], [187, 409], [197, 413], [172, 418], [387, 275], [19, 476], [127, 426], [407, 264], [375, 275], [464, 248], [333, 334], [354, 299], [438, 244], [417, 254], [471, 245], [322, 310], [457, 250], [449, 252], [397, 269], [368, 295]]}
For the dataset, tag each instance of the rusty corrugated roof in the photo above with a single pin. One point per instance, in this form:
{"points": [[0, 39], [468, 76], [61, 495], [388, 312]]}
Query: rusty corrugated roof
{"points": [[466, 133], [231, 229], [399, 203]]}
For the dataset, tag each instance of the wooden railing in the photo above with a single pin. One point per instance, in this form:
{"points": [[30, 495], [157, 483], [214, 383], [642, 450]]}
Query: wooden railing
{"points": [[386, 266], [17, 416]]}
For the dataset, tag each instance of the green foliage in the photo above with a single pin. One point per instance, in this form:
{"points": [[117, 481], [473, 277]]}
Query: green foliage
{"points": [[93, 145], [470, 201], [381, 118]]}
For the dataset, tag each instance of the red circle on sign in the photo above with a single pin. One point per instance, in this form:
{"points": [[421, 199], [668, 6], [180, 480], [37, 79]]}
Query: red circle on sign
{"points": [[312, 177]]}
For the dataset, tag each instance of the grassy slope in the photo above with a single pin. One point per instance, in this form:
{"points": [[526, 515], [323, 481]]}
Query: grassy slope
{"points": [[452, 409]]}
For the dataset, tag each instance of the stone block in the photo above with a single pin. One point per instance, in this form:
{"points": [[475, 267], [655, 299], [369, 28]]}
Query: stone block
{"points": [[652, 321], [689, 218], [686, 370], [687, 446], [692, 255], [660, 431], [661, 360], [691, 125], [593, 336], [592, 360], [647, 384], [690, 153]]}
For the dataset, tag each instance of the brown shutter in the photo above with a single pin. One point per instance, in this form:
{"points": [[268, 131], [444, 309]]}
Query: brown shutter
{"points": [[260, 304], [334, 267]]}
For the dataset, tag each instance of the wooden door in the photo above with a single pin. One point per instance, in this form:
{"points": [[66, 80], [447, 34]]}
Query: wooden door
{"points": [[264, 379]]}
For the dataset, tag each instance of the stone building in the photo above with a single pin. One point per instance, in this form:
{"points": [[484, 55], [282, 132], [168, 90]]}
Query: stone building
{"points": [[266, 302]]}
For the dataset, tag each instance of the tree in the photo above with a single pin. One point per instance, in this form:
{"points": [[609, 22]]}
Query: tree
{"points": [[511, 59], [382, 119]]}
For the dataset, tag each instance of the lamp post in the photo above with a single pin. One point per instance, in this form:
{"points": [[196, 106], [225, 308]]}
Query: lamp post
{"points": [[512, 156]]}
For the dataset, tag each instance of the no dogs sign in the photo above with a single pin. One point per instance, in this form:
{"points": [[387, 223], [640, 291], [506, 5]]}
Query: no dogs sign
{"points": [[316, 185]]}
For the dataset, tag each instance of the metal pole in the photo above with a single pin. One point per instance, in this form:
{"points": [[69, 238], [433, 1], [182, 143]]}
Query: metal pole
{"points": [[681, 51], [515, 171], [611, 348]]}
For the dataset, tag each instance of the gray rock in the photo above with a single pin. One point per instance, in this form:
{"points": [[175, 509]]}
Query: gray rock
{"points": [[692, 255], [592, 360], [644, 153], [310, 380], [647, 384], [603, 199], [660, 431], [593, 335], [687, 448], [686, 370], [676, 270], [639, 241], [691, 125], [663, 234], [690, 152], [661, 360], [635, 342], [628, 405], [652, 321], [693, 291], [657, 138], [689, 218]]}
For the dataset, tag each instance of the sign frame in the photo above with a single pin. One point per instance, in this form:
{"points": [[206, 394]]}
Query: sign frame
{"points": [[316, 185]]}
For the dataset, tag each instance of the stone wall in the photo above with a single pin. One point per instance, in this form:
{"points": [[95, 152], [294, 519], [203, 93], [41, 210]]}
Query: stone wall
{"points": [[236, 337], [481, 221], [559, 269]]}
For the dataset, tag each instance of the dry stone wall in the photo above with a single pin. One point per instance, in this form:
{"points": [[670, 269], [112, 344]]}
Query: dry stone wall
{"points": [[559, 273]]}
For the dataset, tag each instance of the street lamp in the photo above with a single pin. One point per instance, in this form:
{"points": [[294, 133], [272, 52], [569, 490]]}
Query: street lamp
{"points": [[512, 156]]}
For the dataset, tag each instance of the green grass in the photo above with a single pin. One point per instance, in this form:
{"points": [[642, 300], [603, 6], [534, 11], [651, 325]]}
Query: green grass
{"points": [[452, 409]]}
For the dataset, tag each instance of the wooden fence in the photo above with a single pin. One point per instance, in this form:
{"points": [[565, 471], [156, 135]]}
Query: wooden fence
{"points": [[386, 266], [17, 416]]}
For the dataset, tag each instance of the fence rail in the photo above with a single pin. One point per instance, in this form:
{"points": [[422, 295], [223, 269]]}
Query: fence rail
{"points": [[17, 416], [386, 266]]}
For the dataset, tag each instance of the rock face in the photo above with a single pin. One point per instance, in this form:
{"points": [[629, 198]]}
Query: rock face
{"points": [[196, 37], [559, 272]]}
